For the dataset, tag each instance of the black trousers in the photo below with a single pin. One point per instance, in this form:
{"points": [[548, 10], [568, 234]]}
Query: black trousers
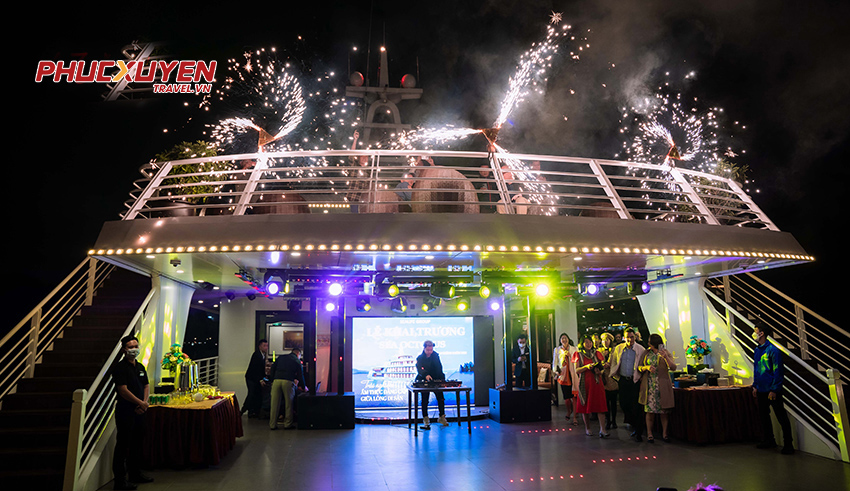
{"points": [[633, 412], [524, 378], [254, 399], [778, 405], [441, 402], [129, 438], [611, 399]]}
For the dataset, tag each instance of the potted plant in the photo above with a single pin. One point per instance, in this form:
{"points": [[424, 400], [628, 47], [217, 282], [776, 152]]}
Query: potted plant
{"points": [[697, 349]]}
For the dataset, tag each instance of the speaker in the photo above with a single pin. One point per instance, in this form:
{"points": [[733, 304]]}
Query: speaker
{"points": [[520, 405], [326, 412]]}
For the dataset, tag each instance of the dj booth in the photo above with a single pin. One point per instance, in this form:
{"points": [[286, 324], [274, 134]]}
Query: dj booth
{"points": [[417, 388]]}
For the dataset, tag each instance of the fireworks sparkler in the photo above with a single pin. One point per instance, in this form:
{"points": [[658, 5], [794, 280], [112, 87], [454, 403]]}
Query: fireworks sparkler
{"points": [[664, 129], [270, 97], [530, 75], [288, 112], [266, 96]]}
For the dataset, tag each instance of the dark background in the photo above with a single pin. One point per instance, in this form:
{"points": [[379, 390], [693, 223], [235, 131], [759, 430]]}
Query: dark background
{"points": [[778, 67]]}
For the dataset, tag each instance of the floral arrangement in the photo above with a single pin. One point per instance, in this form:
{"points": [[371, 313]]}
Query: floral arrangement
{"points": [[698, 348], [173, 358]]}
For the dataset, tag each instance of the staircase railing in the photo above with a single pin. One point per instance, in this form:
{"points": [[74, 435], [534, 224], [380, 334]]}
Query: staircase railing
{"points": [[93, 408], [23, 346], [814, 399], [814, 338]]}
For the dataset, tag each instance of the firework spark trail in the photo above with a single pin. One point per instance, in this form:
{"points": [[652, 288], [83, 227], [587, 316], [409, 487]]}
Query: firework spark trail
{"points": [[440, 136], [530, 72], [537, 191]]}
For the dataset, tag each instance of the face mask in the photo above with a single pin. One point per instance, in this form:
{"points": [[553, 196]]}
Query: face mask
{"points": [[755, 336], [133, 352]]}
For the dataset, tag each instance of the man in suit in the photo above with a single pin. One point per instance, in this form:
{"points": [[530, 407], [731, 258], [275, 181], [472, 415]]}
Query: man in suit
{"points": [[254, 379], [522, 368], [624, 361]]}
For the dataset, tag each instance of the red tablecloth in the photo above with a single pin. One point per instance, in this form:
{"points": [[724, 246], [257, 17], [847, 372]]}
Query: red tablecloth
{"points": [[715, 415], [183, 436]]}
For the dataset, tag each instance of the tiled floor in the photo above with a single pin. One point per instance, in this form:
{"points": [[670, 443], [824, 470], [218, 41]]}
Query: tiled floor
{"points": [[510, 456]]}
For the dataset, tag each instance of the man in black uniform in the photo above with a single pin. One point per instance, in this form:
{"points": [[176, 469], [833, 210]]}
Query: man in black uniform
{"points": [[254, 379], [132, 388], [429, 367]]}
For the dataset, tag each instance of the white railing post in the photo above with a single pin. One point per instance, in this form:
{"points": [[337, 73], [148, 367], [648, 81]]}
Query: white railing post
{"points": [[75, 441], [618, 203], [839, 411], [251, 186], [148, 192], [694, 197], [801, 332], [90, 286], [749, 201], [500, 184], [32, 346], [373, 183]]}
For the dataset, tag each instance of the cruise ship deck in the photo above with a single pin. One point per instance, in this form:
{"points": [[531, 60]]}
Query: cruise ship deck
{"points": [[547, 455]]}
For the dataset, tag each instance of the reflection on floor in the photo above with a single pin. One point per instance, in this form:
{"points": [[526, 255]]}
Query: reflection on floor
{"points": [[551, 455]]}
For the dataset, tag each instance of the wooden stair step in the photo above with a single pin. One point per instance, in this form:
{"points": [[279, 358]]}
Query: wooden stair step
{"points": [[21, 418]]}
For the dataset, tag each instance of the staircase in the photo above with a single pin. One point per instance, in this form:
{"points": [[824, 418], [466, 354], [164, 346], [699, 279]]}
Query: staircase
{"points": [[35, 419], [816, 351]]}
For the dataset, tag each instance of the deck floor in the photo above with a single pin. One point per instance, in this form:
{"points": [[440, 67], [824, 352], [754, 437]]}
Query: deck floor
{"points": [[549, 455]]}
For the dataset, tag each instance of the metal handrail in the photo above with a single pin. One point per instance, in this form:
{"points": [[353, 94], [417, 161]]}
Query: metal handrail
{"points": [[97, 405], [827, 345], [803, 307], [46, 322], [557, 191], [830, 400], [784, 350]]}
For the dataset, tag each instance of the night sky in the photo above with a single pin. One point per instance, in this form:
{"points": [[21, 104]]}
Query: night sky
{"points": [[780, 68]]}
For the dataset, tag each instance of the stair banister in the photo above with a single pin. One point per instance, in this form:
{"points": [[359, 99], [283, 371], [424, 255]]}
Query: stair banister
{"points": [[79, 432]]}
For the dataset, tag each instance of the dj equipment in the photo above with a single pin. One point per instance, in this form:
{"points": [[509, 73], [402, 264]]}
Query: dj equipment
{"points": [[436, 384]]}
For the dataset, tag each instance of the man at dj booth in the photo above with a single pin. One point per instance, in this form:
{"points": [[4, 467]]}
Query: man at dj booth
{"points": [[429, 367]]}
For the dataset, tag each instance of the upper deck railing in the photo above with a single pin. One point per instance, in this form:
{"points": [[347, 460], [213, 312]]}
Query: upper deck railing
{"points": [[386, 181]]}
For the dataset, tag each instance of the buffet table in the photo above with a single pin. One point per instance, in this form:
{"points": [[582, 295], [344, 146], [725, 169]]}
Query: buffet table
{"points": [[195, 434], [715, 415]]}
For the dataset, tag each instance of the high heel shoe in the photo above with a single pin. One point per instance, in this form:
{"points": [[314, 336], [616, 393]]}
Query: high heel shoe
{"points": [[604, 435], [588, 433]]}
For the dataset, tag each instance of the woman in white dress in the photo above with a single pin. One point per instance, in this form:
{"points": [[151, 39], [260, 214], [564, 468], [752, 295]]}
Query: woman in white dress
{"points": [[565, 373]]}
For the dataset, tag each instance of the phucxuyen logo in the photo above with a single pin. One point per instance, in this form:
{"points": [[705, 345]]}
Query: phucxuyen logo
{"points": [[187, 75]]}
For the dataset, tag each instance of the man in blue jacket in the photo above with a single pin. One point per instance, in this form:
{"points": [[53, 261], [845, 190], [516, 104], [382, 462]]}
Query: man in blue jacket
{"points": [[767, 389]]}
